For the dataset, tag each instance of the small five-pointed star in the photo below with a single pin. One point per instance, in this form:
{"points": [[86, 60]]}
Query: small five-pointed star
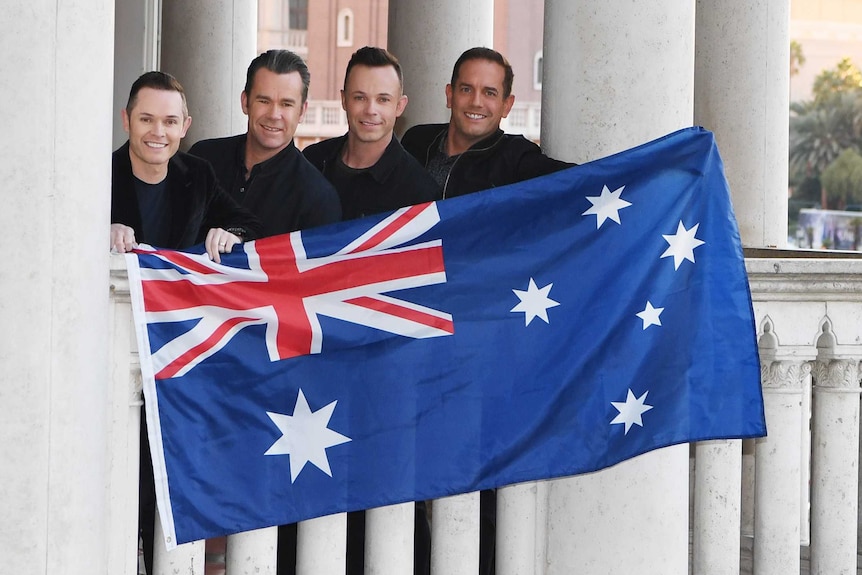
{"points": [[650, 315], [305, 436], [682, 244], [534, 302], [631, 410], [607, 206]]}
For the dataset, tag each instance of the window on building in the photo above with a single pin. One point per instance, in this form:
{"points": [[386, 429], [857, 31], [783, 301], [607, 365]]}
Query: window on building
{"points": [[298, 14], [537, 71], [345, 27]]}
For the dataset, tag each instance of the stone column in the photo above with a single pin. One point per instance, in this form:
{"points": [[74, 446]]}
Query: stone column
{"points": [[427, 37], [54, 304], [742, 80], [252, 552], [321, 545], [777, 469], [617, 75], [455, 535], [717, 507], [835, 464], [389, 539], [208, 45]]}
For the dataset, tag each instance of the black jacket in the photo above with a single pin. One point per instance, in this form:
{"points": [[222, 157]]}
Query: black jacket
{"points": [[395, 181], [285, 192], [498, 160], [197, 202]]}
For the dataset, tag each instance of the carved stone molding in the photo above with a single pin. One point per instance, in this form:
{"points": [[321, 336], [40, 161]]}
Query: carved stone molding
{"points": [[835, 373], [788, 375]]}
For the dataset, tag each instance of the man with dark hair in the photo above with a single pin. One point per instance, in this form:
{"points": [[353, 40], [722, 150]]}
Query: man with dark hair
{"points": [[372, 174], [368, 167], [262, 169], [168, 199], [471, 152]]}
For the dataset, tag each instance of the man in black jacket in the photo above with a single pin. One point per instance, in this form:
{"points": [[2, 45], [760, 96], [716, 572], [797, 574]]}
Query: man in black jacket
{"points": [[262, 169], [159, 195], [368, 167], [471, 152], [168, 199]]}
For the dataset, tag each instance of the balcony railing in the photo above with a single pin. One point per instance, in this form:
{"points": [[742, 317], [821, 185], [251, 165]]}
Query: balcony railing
{"points": [[796, 491]]}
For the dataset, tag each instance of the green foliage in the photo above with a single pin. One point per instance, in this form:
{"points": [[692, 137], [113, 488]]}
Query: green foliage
{"points": [[797, 58], [842, 180], [845, 77], [819, 132]]}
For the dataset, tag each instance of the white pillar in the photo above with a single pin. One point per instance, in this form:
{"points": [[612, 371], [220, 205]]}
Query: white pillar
{"points": [[208, 45], [321, 545], [777, 469], [252, 552], [717, 507], [427, 37], [389, 539], [521, 528], [835, 464], [455, 535], [617, 75], [54, 307], [188, 558], [742, 93]]}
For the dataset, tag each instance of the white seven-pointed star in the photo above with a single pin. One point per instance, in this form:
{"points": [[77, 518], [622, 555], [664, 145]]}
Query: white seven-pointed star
{"points": [[305, 436], [682, 245], [650, 315], [534, 302], [631, 410], [608, 205]]}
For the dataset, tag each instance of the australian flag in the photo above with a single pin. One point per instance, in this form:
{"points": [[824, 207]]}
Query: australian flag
{"points": [[548, 328]]}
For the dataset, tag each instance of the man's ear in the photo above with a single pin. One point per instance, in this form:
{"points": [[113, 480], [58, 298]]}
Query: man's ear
{"points": [[449, 96], [243, 100], [186, 123], [402, 103], [507, 105], [125, 116], [303, 112], [343, 101]]}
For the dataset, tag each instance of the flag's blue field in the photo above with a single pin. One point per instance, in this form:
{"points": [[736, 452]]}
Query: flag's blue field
{"points": [[549, 328]]}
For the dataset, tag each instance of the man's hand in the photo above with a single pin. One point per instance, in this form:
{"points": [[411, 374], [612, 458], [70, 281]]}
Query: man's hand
{"points": [[220, 241], [122, 238]]}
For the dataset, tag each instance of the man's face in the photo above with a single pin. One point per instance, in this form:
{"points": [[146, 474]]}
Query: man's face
{"points": [[155, 126], [274, 109], [477, 101], [373, 101]]}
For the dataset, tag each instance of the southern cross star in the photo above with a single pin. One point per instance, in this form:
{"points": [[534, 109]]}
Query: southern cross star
{"points": [[607, 206], [650, 315], [631, 410], [305, 436], [534, 302], [682, 244]]}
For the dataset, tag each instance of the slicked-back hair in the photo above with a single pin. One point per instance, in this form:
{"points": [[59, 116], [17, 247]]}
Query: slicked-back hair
{"points": [[374, 57], [156, 81], [480, 53], [279, 62]]}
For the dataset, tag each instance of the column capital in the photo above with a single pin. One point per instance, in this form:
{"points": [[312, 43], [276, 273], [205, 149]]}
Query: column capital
{"points": [[784, 375], [838, 374]]}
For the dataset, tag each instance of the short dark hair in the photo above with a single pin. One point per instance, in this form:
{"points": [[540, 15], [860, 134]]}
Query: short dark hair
{"points": [[374, 57], [480, 53], [156, 81], [279, 62]]}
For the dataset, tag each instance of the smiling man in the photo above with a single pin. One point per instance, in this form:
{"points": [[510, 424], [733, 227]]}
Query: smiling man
{"points": [[368, 167], [262, 169], [159, 195], [471, 152]]}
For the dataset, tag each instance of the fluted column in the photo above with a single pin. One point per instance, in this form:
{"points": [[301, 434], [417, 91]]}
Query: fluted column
{"points": [[617, 74], [427, 37], [777, 469], [208, 45], [54, 305], [835, 463], [741, 94]]}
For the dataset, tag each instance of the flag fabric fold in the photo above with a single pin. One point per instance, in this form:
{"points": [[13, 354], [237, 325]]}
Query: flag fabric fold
{"points": [[552, 327]]}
